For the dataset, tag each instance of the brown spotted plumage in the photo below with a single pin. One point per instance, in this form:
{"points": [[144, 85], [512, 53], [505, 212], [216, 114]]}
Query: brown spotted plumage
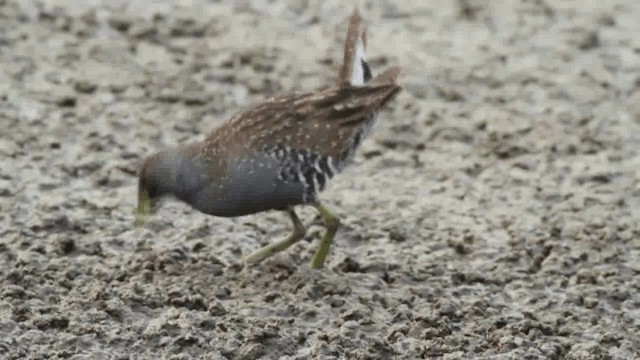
{"points": [[279, 153], [323, 122]]}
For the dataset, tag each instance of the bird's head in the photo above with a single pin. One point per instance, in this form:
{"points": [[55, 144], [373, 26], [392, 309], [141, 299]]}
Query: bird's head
{"points": [[170, 173], [149, 187]]}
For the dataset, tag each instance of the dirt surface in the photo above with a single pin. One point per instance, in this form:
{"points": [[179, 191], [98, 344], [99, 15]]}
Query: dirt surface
{"points": [[493, 213]]}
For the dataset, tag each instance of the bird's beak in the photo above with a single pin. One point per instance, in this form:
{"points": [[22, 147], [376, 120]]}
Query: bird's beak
{"points": [[144, 207]]}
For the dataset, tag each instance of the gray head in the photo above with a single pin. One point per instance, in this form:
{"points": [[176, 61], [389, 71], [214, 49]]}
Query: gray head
{"points": [[171, 173]]}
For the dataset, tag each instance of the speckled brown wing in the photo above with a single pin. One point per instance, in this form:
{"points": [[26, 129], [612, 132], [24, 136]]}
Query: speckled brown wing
{"points": [[324, 122]]}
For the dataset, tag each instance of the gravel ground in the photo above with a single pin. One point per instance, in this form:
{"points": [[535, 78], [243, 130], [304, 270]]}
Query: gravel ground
{"points": [[493, 213]]}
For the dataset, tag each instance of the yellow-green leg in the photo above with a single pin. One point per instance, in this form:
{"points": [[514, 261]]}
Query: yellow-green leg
{"points": [[332, 222], [298, 233]]}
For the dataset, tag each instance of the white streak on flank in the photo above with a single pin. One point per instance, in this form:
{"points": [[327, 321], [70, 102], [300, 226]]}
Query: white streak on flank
{"points": [[316, 165], [332, 169], [316, 187]]}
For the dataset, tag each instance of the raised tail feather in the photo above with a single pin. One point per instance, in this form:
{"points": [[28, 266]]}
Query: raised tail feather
{"points": [[355, 70]]}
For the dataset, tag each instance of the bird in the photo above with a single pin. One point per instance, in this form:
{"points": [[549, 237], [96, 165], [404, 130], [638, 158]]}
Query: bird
{"points": [[278, 154]]}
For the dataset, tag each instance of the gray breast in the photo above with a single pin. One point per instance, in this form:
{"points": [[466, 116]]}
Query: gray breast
{"points": [[251, 185], [272, 179]]}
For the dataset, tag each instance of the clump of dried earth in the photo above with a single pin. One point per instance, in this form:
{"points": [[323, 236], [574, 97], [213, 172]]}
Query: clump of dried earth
{"points": [[493, 213]]}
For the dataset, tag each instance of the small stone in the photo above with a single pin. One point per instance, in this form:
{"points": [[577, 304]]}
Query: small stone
{"points": [[120, 22], [66, 245], [217, 309], [66, 100], [194, 98], [590, 302], [589, 40], [84, 86], [168, 95], [142, 30], [607, 20]]}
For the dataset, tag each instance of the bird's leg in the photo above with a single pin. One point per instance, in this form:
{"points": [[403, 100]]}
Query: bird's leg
{"points": [[332, 222], [298, 233]]}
